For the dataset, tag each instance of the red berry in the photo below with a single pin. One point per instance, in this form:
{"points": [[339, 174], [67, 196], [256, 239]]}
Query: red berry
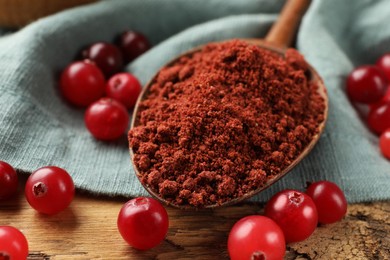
{"points": [[13, 244], [294, 212], [143, 223], [384, 64], [329, 199], [125, 88], [379, 118], [133, 44], [49, 190], [385, 99], [106, 56], [106, 119], [256, 237], [366, 84], [82, 83], [384, 143], [8, 180]]}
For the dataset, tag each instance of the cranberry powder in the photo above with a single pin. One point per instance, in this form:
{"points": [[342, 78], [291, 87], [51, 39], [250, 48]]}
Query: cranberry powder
{"points": [[218, 123]]}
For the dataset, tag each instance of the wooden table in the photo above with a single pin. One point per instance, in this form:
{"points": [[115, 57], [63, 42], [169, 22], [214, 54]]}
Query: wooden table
{"points": [[87, 230]]}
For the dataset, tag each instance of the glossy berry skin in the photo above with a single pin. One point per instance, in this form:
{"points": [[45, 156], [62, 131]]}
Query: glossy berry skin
{"points": [[125, 88], [366, 84], [384, 64], [295, 213], [384, 143], [378, 118], [143, 223], [13, 244], [106, 56], [82, 83], [8, 181], [256, 237], [385, 99], [106, 119], [133, 44], [330, 201], [49, 190]]}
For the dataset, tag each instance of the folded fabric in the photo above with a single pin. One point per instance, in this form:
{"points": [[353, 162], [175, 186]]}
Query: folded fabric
{"points": [[37, 128]]}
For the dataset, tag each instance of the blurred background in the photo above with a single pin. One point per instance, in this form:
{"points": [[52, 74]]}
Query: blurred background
{"points": [[17, 13]]}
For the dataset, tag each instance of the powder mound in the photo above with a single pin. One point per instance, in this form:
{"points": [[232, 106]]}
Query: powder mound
{"points": [[219, 123]]}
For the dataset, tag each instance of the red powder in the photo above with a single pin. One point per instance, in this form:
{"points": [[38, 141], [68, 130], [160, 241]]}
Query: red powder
{"points": [[218, 123]]}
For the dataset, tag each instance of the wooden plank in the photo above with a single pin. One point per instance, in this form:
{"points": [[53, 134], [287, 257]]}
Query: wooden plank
{"points": [[87, 230]]}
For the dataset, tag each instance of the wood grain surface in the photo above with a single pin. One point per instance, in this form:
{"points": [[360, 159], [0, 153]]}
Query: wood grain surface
{"points": [[18, 13], [87, 230]]}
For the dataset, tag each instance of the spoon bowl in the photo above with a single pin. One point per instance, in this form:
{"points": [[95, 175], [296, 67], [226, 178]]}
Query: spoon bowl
{"points": [[276, 41]]}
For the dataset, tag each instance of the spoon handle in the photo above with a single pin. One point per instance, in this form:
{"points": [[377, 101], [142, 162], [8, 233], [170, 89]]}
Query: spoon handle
{"points": [[283, 30]]}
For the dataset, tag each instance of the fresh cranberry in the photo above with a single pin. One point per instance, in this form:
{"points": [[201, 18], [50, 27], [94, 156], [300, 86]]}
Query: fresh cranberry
{"points": [[379, 118], [106, 119], [49, 190], [125, 88], [295, 213], [143, 223], [82, 83], [384, 143], [13, 244], [384, 64], [133, 44], [385, 99], [8, 180], [329, 199], [106, 56], [366, 84], [256, 237]]}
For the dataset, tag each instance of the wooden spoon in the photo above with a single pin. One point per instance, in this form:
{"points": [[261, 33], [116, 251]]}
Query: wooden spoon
{"points": [[277, 40]]}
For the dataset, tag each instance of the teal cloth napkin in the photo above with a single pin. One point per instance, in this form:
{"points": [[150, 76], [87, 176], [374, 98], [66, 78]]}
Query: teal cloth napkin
{"points": [[37, 128]]}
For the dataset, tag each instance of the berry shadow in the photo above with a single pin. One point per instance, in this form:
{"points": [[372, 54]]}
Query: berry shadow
{"points": [[64, 221]]}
